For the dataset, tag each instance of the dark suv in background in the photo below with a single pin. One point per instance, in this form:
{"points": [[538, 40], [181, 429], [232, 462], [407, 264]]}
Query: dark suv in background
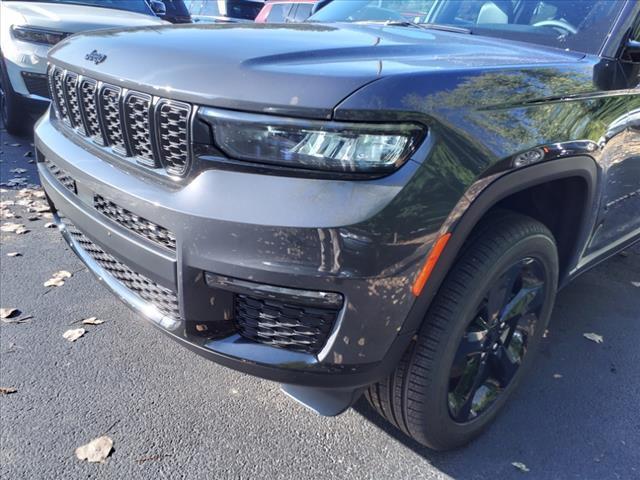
{"points": [[384, 199]]}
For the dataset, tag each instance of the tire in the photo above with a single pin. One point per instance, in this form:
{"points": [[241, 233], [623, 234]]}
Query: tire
{"points": [[421, 397], [15, 117]]}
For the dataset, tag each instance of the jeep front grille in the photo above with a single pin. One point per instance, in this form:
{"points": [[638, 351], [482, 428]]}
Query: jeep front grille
{"points": [[134, 223], [153, 131]]}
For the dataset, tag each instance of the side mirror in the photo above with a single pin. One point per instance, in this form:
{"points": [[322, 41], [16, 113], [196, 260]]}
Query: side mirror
{"points": [[158, 7]]}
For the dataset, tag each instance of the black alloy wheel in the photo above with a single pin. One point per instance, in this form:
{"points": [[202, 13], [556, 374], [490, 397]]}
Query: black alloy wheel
{"points": [[478, 336]]}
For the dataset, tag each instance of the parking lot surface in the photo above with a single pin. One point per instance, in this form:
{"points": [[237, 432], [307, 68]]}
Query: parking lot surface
{"points": [[172, 414]]}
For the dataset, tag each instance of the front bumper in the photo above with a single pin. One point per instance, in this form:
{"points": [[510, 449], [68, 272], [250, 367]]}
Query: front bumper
{"points": [[293, 233]]}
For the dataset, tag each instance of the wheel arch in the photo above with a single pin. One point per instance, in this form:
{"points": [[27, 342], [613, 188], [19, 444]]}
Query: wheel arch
{"points": [[581, 168]]}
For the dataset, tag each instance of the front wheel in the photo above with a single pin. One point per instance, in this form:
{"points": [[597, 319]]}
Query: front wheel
{"points": [[478, 337]]}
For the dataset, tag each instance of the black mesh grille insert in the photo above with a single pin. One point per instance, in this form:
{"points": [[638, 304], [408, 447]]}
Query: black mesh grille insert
{"points": [[88, 91], [63, 177], [164, 299], [173, 125], [110, 99], [71, 90], [135, 223], [293, 327], [36, 84], [137, 107], [57, 91]]}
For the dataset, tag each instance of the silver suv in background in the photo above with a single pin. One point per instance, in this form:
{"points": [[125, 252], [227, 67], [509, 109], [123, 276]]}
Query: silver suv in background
{"points": [[28, 29]]}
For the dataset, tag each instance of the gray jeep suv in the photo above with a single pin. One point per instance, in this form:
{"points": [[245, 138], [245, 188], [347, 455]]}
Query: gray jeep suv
{"points": [[382, 200]]}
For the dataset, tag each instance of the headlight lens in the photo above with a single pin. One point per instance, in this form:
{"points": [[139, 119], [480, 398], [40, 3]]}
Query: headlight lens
{"points": [[37, 35], [329, 146]]}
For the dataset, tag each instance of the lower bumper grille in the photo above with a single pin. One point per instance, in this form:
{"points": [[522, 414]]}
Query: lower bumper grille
{"points": [[164, 299], [37, 84], [135, 223], [63, 177], [278, 324]]}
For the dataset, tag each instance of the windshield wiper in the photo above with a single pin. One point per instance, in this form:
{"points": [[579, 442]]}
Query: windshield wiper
{"points": [[425, 26]]}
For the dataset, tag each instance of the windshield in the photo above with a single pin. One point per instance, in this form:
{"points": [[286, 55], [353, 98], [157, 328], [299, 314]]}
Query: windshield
{"points": [[138, 6], [243, 9], [580, 25]]}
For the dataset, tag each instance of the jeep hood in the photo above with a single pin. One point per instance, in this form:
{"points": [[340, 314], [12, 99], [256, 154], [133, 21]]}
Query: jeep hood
{"points": [[304, 69]]}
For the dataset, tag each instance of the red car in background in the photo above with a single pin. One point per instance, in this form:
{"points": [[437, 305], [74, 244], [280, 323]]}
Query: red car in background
{"points": [[288, 11]]}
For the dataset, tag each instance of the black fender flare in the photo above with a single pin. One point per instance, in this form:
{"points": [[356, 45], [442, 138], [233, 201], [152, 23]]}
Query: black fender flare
{"points": [[584, 167]]}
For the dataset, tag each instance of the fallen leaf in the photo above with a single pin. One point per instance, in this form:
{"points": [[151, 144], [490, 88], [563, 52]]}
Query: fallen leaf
{"points": [[8, 312], [62, 274], [96, 450], [92, 321], [15, 145], [11, 227], [18, 170], [594, 337], [7, 390], [50, 225], [557, 375], [74, 334], [54, 282], [636, 284], [22, 230], [521, 466], [14, 254]]}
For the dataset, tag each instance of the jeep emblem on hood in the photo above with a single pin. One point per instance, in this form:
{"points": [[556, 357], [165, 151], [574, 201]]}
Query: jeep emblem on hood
{"points": [[95, 57]]}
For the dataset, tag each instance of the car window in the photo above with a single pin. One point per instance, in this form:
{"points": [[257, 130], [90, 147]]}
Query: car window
{"points": [[303, 12], [279, 13]]}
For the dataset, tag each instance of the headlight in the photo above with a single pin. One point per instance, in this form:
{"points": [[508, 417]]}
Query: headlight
{"points": [[329, 146], [37, 35]]}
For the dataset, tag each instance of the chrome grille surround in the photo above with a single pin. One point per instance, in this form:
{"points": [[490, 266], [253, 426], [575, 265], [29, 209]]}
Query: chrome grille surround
{"points": [[164, 299], [173, 132], [150, 130], [89, 99], [137, 108], [56, 79], [71, 92], [139, 225], [110, 106]]}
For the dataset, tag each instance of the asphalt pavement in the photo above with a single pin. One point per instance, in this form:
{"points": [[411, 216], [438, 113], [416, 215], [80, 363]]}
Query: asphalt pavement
{"points": [[173, 415]]}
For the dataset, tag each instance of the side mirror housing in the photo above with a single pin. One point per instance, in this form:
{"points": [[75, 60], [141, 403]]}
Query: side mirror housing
{"points": [[158, 7]]}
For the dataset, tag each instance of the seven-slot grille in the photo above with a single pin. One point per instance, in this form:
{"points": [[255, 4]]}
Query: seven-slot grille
{"points": [[135, 223], [164, 299], [154, 131], [284, 325]]}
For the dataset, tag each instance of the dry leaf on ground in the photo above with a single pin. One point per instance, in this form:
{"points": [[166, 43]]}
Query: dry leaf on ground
{"points": [[7, 390], [62, 274], [9, 312], [636, 284], [521, 466], [557, 375], [50, 225], [74, 334], [92, 321], [54, 282], [594, 337], [96, 450], [14, 254], [11, 227]]}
